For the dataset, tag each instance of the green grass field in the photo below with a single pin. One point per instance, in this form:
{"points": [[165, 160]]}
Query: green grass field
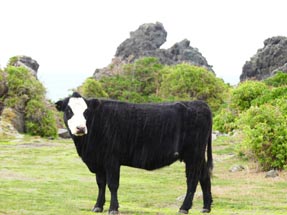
{"points": [[47, 177]]}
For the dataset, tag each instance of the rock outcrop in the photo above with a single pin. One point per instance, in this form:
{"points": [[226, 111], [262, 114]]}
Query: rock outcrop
{"points": [[267, 61], [16, 115], [146, 42], [27, 62]]}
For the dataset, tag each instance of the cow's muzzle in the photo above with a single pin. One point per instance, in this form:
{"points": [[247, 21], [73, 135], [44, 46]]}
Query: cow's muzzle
{"points": [[81, 130]]}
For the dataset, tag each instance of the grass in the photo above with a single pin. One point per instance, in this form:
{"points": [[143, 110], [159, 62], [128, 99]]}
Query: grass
{"points": [[40, 176]]}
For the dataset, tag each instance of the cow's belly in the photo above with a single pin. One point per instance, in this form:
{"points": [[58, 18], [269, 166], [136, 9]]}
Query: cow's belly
{"points": [[151, 162]]}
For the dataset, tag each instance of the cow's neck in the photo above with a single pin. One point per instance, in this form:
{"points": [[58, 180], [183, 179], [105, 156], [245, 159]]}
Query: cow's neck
{"points": [[80, 144]]}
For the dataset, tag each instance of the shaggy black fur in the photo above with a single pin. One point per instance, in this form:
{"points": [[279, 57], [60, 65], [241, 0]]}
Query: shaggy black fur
{"points": [[147, 136]]}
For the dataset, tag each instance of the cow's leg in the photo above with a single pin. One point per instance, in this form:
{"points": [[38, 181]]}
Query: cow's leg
{"points": [[192, 178], [113, 177], [101, 181], [206, 188]]}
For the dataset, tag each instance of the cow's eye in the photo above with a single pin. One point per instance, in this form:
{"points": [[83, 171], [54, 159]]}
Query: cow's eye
{"points": [[69, 113], [86, 112]]}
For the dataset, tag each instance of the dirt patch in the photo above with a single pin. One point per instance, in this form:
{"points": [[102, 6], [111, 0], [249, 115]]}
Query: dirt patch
{"points": [[11, 175], [38, 145]]}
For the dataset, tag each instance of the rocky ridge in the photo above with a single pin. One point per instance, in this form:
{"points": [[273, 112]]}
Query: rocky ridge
{"points": [[146, 41], [267, 61]]}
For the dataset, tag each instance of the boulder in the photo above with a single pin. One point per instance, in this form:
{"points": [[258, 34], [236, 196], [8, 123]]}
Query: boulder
{"points": [[272, 174], [267, 61], [236, 168], [64, 133], [146, 42]]}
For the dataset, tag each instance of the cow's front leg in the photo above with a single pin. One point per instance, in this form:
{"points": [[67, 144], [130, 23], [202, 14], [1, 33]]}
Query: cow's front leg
{"points": [[101, 181], [113, 177]]}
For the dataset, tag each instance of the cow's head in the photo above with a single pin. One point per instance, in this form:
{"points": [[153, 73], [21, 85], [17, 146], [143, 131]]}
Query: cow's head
{"points": [[75, 110]]}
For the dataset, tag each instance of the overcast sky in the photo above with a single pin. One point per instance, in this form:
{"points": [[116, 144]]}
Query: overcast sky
{"points": [[71, 38]]}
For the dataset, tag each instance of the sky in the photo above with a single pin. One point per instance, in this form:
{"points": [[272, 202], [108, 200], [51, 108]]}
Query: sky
{"points": [[71, 38]]}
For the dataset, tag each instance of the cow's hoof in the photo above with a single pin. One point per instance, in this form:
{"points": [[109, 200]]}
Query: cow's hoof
{"points": [[205, 210], [114, 212], [97, 209], [181, 211]]}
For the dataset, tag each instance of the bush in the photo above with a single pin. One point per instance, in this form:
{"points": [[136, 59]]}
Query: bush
{"points": [[270, 95], [187, 82], [225, 120], [22, 86], [147, 80], [138, 82], [279, 79], [27, 95], [147, 71], [92, 88], [266, 135], [39, 119], [246, 92]]}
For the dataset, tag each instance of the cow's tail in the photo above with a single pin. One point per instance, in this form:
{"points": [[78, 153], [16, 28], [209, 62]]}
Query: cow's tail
{"points": [[209, 154]]}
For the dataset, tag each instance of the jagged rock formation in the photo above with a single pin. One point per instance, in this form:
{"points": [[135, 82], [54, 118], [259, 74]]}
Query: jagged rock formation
{"points": [[267, 61], [146, 41], [142, 42]]}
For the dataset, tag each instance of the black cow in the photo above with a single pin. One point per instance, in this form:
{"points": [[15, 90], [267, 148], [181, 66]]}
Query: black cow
{"points": [[108, 134]]}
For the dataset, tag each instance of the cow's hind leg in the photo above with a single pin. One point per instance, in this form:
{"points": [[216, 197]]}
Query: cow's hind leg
{"points": [[101, 181], [192, 178], [113, 177], [206, 188]]}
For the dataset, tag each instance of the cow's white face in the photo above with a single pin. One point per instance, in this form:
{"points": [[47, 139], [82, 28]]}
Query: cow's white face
{"points": [[75, 115]]}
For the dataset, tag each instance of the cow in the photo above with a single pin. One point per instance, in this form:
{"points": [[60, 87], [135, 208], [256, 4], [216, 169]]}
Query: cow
{"points": [[108, 134]]}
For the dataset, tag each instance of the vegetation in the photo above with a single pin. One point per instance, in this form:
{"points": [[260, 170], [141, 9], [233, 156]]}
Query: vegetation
{"points": [[259, 111], [255, 108], [138, 82], [40, 176], [92, 88], [187, 82], [246, 92], [146, 80], [40, 119], [26, 95]]}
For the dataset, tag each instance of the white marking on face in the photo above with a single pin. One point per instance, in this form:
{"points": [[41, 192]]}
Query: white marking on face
{"points": [[77, 123]]}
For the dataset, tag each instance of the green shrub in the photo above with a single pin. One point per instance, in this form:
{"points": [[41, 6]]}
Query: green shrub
{"points": [[225, 120], [279, 79], [266, 135], [13, 60], [22, 86], [2, 77], [138, 82], [245, 93], [147, 72], [39, 119], [187, 82], [27, 95], [92, 88], [147, 80], [270, 95]]}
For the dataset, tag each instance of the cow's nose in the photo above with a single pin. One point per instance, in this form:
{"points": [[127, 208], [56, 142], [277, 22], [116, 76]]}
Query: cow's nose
{"points": [[81, 129]]}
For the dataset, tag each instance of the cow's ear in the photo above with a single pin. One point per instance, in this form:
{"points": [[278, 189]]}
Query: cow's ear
{"points": [[93, 103], [76, 95], [60, 105]]}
